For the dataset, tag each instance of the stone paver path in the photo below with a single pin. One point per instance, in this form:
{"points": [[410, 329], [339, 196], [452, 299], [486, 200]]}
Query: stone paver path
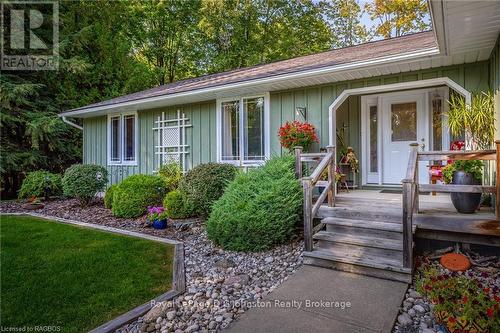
{"points": [[315, 300]]}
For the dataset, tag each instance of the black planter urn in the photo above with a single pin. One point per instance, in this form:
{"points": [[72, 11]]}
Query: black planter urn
{"points": [[465, 203]]}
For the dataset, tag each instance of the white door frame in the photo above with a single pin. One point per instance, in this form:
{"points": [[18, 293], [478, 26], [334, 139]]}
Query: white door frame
{"points": [[424, 96]]}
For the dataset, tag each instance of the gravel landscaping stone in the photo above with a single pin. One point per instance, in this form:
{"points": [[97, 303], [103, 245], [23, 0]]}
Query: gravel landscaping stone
{"points": [[221, 285]]}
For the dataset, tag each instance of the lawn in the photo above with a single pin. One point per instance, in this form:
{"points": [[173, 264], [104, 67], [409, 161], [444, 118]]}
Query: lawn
{"points": [[54, 274]]}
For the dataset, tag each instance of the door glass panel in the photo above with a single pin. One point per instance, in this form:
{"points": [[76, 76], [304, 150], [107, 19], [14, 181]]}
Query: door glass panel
{"points": [[253, 109], [404, 121], [437, 124], [373, 139], [230, 131]]}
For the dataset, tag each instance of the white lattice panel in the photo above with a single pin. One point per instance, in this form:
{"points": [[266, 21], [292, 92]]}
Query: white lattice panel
{"points": [[171, 140]]}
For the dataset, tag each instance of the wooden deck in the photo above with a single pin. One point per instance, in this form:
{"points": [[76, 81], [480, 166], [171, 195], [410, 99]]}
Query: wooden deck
{"points": [[437, 218]]}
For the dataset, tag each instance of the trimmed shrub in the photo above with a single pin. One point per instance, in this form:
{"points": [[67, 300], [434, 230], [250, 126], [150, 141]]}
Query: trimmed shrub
{"points": [[35, 183], [134, 194], [259, 209], [205, 184], [178, 205], [108, 197], [171, 174], [84, 181]]}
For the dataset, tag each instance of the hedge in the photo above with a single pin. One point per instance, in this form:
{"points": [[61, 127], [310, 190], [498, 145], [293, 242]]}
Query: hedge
{"points": [[35, 183], [205, 183], [84, 181], [259, 209], [134, 194]]}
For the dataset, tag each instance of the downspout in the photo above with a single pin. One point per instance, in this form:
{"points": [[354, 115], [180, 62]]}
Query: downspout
{"points": [[71, 123]]}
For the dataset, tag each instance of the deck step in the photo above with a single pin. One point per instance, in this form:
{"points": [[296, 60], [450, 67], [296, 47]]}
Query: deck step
{"points": [[361, 213], [366, 241], [366, 265], [365, 224]]}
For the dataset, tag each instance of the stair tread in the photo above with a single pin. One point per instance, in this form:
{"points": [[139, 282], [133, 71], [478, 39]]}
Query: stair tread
{"points": [[368, 241], [367, 224], [365, 260]]}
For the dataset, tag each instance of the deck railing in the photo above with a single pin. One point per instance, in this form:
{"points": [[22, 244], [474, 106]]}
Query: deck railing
{"points": [[411, 187], [326, 161]]}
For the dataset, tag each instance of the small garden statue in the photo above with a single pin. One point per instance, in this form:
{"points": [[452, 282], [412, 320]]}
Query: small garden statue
{"points": [[296, 133]]}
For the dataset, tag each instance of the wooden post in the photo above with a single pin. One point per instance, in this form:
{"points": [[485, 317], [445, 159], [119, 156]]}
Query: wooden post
{"points": [[407, 223], [298, 161], [414, 146], [497, 183], [331, 176], [308, 218]]}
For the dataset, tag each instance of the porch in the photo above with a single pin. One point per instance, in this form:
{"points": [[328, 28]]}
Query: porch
{"points": [[373, 233]]}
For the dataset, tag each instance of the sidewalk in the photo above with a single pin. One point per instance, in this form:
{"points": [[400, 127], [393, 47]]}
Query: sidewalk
{"points": [[373, 304]]}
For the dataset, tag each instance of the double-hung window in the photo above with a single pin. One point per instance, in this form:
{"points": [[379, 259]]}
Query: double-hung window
{"points": [[243, 130], [122, 139]]}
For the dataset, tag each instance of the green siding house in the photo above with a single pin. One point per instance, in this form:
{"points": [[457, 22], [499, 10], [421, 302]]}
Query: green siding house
{"points": [[376, 97]]}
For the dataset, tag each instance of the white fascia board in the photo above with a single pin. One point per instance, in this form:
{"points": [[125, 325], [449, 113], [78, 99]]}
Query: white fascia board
{"points": [[284, 77]]}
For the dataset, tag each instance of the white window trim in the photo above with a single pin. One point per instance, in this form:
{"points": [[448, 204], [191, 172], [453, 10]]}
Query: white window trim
{"points": [[122, 138], [267, 141]]}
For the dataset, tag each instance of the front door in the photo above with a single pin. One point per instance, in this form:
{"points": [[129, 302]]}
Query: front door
{"points": [[403, 122]]}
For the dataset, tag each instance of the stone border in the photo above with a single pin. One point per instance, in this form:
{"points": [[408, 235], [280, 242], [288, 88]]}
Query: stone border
{"points": [[178, 281]]}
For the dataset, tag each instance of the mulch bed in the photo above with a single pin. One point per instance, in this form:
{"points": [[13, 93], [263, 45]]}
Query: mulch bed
{"points": [[96, 213]]}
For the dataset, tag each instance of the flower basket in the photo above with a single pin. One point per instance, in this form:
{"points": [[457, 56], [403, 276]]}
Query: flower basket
{"points": [[157, 217]]}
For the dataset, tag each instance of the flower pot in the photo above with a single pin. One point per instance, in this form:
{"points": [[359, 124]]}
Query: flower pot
{"points": [[465, 203], [159, 224]]}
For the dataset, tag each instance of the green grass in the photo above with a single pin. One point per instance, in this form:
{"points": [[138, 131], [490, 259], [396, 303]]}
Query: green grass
{"points": [[73, 277]]}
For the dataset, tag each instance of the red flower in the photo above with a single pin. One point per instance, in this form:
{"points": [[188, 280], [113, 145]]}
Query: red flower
{"points": [[451, 320], [490, 312], [465, 299], [297, 134], [486, 290]]}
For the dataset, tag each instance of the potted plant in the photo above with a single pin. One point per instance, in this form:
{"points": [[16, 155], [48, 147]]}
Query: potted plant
{"points": [[464, 173], [297, 133], [476, 122], [157, 217]]}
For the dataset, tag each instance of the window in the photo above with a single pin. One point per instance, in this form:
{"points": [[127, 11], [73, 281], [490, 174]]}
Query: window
{"points": [[122, 139], [404, 121], [243, 130]]}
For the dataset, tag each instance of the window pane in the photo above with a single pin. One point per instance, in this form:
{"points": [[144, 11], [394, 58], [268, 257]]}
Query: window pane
{"points": [[115, 139], [373, 139], [404, 121], [437, 124], [230, 131], [129, 139], [254, 129]]}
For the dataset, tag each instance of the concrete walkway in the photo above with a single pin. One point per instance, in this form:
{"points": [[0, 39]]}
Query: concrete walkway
{"points": [[373, 304]]}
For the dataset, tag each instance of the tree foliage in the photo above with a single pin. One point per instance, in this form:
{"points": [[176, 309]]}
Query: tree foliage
{"points": [[111, 48], [395, 18]]}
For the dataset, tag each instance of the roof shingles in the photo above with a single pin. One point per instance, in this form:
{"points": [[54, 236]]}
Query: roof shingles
{"points": [[347, 55]]}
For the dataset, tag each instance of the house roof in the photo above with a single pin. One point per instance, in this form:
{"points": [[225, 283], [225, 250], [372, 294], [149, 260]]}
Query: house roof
{"points": [[332, 58]]}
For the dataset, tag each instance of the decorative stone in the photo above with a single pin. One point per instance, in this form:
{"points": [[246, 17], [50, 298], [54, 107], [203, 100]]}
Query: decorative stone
{"points": [[404, 319], [419, 308], [241, 280], [225, 263]]}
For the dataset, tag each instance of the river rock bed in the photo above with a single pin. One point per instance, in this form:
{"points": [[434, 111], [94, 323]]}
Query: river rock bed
{"points": [[220, 286]]}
